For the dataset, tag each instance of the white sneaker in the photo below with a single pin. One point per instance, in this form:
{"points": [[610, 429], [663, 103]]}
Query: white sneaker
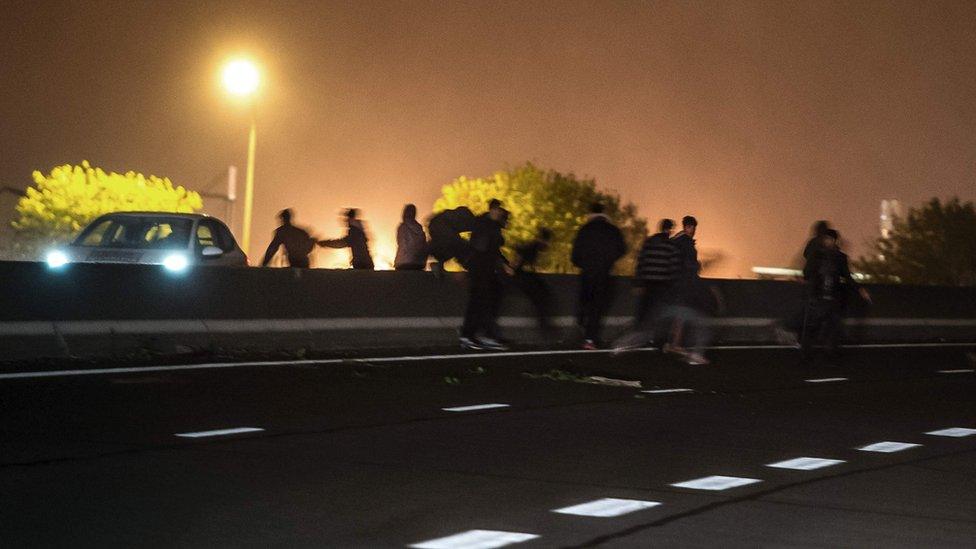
{"points": [[491, 344], [470, 344], [695, 359]]}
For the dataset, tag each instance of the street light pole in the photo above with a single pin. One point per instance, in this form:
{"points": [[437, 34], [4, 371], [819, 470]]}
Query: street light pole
{"points": [[249, 185], [242, 78]]}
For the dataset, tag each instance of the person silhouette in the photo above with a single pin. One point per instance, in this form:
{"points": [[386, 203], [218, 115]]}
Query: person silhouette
{"points": [[355, 240], [297, 242], [411, 254]]}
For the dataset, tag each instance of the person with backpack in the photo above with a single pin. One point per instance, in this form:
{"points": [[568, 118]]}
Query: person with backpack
{"points": [[297, 242], [597, 246]]}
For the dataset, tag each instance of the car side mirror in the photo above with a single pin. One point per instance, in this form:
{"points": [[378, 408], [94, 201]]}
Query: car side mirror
{"points": [[211, 251]]}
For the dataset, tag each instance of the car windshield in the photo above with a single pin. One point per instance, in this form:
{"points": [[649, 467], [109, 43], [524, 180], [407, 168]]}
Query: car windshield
{"points": [[161, 233]]}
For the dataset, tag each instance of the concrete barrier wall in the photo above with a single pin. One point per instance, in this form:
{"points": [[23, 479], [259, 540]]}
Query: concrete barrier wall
{"points": [[86, 310]]}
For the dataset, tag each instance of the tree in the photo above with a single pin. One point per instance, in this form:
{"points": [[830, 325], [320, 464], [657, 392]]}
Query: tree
{"points": [[934, 244], [63, 202], [550, 199]]}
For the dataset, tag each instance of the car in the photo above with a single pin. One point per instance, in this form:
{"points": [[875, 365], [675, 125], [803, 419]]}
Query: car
{"points": [[174, 240]]}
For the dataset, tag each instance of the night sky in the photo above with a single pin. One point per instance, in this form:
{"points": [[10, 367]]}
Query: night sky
{"points": [[757, 117]]}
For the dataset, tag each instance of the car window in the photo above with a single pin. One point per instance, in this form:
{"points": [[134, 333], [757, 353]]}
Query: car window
{"points": [[227, 242], [94, 235], [206, 235], [138, 232]]}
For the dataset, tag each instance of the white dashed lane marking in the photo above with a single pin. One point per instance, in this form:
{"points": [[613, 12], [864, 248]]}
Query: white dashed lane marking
{"points": [[607, 507], [220, 432], [475, 407], [805, 463], [959, 371], [716, 482], [665, 391], [825, 380], [956, 432], [476, 539], [888, 447]]}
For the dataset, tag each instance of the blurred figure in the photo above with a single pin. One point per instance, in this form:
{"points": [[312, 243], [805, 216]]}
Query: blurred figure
{"points": [[657, 266], [297, 242], [355, 240], [691, 297], [528, 281], [597, 246], [815, 243], [445, 230], [828, 274], [786, 330], [411, 254], [479, 330]]}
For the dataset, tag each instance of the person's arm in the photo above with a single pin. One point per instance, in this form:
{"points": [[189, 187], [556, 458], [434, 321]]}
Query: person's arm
{"points": [[621, 245], [335, 242], [577, 254], [845, 273], [272, 249]]}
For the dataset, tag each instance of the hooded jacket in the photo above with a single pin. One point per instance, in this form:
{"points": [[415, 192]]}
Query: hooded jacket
{"points": [[598, 245]]}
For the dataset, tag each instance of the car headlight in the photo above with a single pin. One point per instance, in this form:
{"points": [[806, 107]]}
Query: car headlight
{"points": [[56, 259], [175, 263]]}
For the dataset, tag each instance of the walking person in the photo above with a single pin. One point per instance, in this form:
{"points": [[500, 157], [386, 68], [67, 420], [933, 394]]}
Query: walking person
{"points": [[787, 330], [829, 279], [597, 246], [411, 254], [355, 240], [529, 281], [691, 297], [654, 274], [485, 265], [297, 242]]}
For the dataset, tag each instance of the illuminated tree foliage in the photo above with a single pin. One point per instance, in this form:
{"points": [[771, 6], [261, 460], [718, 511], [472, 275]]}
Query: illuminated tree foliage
{"points": [[63, 202], [934, 244], [538, 198]]}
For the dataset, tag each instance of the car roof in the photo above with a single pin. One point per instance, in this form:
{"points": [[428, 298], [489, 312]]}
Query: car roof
{"points": [[160, 214]]}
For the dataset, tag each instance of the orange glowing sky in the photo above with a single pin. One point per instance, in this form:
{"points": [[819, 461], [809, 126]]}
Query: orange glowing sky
{"points": [[757, 117]]}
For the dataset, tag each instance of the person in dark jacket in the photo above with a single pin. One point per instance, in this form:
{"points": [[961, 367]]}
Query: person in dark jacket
{"points": [[297, 242], [527, 280], [597, 246], [411, 254], [486, 263], [815, 243], [355, 240], [829, 279], [445, 230], [788, 330], [692, 298]]}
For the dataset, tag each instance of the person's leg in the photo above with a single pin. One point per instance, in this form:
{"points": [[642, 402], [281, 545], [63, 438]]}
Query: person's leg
{"points": [[585, 299], [596, 295], [812, 325], [474, 316], [493, 299], [832, 328]]}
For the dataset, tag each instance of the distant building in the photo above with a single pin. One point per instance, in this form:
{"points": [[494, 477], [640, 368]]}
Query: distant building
{"points": [[890, 209]]}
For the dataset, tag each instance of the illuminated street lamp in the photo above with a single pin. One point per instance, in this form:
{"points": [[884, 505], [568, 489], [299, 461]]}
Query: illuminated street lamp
{"points": [[242, 78]]}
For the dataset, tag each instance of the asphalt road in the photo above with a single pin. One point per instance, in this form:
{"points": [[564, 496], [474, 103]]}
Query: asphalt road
{"points": [[363, 454]]}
